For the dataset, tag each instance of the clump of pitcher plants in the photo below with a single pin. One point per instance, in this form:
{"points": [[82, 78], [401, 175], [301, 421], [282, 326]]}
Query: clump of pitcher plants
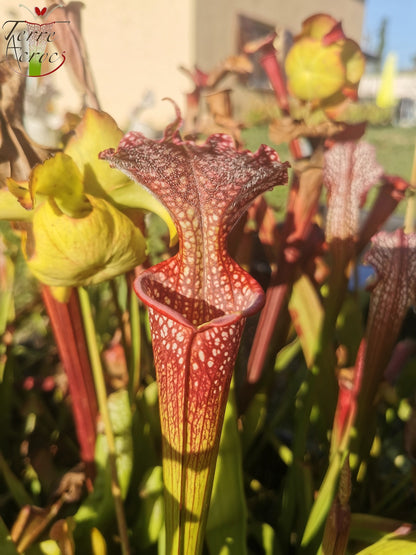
{"points": [[239, 389]]}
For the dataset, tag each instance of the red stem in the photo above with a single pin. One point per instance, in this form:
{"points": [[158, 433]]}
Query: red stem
{"points": [[70, 339], [274, 72], [276, 300]]}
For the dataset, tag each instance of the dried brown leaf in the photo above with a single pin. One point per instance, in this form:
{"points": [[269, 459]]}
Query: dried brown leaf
{"points": [[18, 153], [70, 40]]}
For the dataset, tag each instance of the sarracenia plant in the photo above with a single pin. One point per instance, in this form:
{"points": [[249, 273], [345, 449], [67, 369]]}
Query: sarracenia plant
{"points": [[81, 223], [295, 471], [198, 302]]}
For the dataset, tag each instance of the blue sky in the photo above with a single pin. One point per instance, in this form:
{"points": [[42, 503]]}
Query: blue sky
{"points": [[401, 28]]}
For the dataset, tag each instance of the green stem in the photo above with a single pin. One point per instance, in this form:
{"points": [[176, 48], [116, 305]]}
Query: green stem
{"points": [[101, 392], [409, 218], [297, 501], [134, 370], [121, 320]]}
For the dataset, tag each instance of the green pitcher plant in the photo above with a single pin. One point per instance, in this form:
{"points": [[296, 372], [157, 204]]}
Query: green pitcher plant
{"points": [[79, 217], [324, 66]]}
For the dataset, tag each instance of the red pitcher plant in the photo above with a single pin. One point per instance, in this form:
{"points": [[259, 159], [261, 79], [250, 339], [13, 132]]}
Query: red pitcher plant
{"points": [[198, 302]]}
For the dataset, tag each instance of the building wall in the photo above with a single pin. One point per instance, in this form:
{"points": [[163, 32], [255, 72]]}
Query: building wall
{"points": [[217, 23], [404, 86], [134, 47], [137, 49]]}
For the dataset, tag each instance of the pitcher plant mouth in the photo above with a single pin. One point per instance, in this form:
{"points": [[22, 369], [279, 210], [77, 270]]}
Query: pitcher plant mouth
{"points": [[152, 287]]}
